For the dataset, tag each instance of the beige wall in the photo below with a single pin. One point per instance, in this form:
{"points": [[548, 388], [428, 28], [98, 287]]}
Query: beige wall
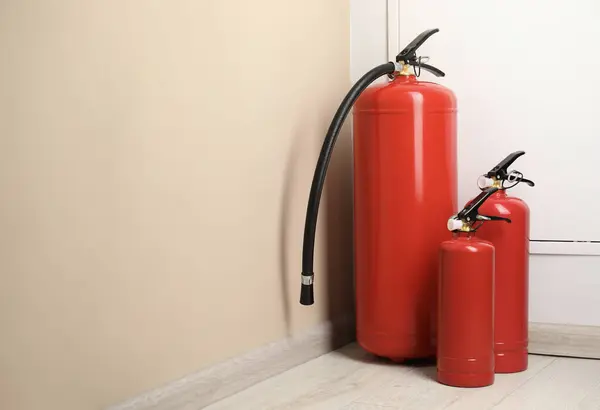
{"points": [[155, 158]]}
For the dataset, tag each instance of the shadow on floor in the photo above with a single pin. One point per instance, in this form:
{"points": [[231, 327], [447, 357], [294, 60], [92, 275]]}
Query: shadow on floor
{"points": [[423, 368]]}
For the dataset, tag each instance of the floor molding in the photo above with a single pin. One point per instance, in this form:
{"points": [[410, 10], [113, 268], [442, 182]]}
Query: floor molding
{"points": [[564, 340], [226, 378]]}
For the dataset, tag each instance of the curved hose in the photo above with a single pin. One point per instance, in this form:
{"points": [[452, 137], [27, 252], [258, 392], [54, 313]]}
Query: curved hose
{"points": [[310, 226]]}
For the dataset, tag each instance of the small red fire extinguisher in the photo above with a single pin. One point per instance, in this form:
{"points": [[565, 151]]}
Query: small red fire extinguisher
{"points": [[512, 265], [465, 350]]}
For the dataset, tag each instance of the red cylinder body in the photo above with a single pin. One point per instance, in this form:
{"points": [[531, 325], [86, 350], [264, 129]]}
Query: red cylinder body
{"points": [[512, 279], [404, 190], [465, 351]]}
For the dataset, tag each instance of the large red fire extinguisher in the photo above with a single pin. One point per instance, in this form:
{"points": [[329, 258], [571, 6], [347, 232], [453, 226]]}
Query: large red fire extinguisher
{"points": [[405, 186], [465, 350], [512, 265]]}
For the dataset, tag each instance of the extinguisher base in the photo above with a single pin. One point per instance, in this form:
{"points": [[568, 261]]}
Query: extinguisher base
{"points": [[465, 379], [514, 361], [387, 346]]}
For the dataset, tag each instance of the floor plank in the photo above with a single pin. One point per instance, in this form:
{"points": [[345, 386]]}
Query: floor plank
{"points": [[351, 379], [565, 384], [367, 406], [592, 400], [504, 384], [328, 382], [421, 391]]}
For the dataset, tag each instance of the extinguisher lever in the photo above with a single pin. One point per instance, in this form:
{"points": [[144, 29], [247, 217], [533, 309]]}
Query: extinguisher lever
{"points": [[500, 171], [465, 219], [470, 212], [409, 55], [492, 218], [410, 51]]}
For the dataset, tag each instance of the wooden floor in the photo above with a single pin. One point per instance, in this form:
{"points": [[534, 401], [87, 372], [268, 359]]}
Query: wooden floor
{"points": [[351, 379]]}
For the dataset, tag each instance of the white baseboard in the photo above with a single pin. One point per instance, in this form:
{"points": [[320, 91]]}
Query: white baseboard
{"points": [[564, 340], [212, 384]]}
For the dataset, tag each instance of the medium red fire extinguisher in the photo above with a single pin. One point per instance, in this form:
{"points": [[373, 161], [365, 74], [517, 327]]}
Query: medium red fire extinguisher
{"points": [[512, 265], [404, 144], [465, 350]]}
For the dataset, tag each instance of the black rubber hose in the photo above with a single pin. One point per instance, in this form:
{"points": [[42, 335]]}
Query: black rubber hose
{"points": [[310, 225]]}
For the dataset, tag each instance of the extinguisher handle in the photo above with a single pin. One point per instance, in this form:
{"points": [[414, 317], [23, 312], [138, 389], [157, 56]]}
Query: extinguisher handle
{"points": [[492, 218], [433, 70], [528, 182], [500, 171], [410, 51], [471, 210]]}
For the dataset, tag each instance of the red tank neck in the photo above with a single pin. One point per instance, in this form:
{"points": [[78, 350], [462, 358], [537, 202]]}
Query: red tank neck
{"points": [[405, 79], [462, 235]]}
